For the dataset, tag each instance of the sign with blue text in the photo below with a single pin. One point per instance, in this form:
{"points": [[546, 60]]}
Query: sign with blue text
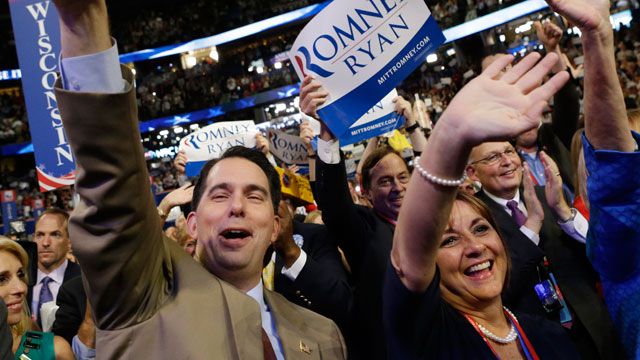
{"points": [[9, 208], [212, 141], [37, 35], [288, 148], [359, 50], [379, 120]]}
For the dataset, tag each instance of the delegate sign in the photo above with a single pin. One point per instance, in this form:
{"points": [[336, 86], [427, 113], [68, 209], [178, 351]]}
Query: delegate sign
{"points": [[211, 141], [37, 35], [360, 50]]}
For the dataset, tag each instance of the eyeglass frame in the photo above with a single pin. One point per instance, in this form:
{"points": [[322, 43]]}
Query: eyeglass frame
{"points": [[485, 160]]}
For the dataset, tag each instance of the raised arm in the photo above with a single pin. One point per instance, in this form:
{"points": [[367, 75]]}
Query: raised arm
{"points": [[492, 107], [339, 213], [115, 229], [606, 123]]}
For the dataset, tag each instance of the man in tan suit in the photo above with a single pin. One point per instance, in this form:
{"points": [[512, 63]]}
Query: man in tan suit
{"points": [[150, 299]]}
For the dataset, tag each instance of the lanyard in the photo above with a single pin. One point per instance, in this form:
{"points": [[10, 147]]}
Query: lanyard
{"points": [[529, 351]]}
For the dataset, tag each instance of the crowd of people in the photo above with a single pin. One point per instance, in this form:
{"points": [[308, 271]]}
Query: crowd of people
{"points": [[14, 127], [496, 237]]}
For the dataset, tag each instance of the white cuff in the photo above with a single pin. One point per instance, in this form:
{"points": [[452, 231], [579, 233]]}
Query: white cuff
{"points": [[94, 73], [530, 234], [81, 351], [329, 151], [576, 228], [272, 160], [295, 269]]}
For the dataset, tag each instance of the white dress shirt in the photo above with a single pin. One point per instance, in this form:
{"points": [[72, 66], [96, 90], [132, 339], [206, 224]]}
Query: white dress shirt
{"points": [[268, 322], [577, 228], [57, 277]]}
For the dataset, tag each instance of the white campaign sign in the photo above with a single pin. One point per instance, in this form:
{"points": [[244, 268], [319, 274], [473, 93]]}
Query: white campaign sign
{"points": [[288, 148], [211, 141], [360, 50]]}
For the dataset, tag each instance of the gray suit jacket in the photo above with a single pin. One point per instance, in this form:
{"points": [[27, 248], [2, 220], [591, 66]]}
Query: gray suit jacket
{"points": [[150, 299]]}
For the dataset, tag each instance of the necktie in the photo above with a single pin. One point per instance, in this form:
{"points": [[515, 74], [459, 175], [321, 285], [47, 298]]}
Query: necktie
{"points": [[269, 354], [45, 294], [516, 213]]}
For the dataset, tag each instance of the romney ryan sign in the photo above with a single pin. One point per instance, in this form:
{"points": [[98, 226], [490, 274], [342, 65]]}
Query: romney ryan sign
{"points": [[360, 50], [211, 141]]}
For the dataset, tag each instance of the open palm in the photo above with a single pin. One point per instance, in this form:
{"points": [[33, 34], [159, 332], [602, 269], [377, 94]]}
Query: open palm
{"points": [[504, 105]]}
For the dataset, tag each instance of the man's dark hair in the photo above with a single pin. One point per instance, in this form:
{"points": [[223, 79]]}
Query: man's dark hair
{"points": [[61, 214], [242, 152], [372, 160]]}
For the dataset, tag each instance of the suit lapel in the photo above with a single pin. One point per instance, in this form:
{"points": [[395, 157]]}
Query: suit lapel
{"points": [[244, 322], [291, 326]]}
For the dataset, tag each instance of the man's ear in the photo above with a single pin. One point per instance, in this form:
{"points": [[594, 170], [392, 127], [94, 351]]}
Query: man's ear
{"points": [[276, 228], [192, 225], [471, 173]]}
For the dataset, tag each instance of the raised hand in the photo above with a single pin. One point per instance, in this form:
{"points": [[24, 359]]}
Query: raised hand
{"points": [[306, 134], [180, 162], [586, 14], [262, 144], [179, 196], [84, 26], [534, 207], [497, 106], [553, 188], [549, 34], [312, 96]]}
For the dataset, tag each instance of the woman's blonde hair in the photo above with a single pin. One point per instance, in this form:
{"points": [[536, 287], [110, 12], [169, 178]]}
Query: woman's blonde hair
{"points": [[9, 246]]}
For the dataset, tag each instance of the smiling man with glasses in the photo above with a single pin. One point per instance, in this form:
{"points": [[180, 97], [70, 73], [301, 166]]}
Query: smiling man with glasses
{"points": [[546, 244]]}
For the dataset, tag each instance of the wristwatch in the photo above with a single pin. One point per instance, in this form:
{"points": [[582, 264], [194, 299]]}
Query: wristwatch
{"points": [[574, 212], [412, 128]]}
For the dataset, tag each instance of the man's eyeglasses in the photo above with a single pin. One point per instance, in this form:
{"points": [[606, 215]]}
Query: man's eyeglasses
{"points": [[493, 158]]}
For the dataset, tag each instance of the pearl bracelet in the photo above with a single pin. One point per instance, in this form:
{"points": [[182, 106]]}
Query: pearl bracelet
{"points": [[436, 180]]}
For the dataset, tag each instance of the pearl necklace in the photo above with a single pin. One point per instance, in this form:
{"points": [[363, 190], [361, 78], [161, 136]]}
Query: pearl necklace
{"points": [[511, 336]]}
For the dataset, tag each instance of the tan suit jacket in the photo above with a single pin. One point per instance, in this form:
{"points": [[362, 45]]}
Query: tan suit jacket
{"points": [[150, 300]]}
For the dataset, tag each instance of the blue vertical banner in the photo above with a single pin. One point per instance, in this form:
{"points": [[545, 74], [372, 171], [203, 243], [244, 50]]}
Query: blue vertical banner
{"points": [[37, 35], [9, 209]]}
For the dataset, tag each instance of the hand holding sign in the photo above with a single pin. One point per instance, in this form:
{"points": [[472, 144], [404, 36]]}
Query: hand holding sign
{"points": [[306, 134], [380, 119]]}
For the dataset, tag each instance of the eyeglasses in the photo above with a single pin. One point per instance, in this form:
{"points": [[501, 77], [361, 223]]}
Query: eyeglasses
{"points": [[493, 158]]}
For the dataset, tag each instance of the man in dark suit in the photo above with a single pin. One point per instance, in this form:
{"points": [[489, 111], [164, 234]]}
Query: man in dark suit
{"points": [[72, 311], [538, 223], [6, 340], [52, 237], [308, 270], [148, 297]]}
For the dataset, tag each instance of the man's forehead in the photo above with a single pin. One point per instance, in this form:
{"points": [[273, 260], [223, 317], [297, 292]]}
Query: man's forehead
{"points": [[50, 220], [236, 172], [391, 164], [489, 147]]}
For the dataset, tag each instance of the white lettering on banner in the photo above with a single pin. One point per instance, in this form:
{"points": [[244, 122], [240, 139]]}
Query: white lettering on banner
{"points": [[211, 141], [48, 63], [373, 127], [403, 61]]}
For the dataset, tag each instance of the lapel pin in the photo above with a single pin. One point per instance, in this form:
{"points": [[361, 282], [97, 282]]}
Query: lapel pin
{"points": [[304, 348]]}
